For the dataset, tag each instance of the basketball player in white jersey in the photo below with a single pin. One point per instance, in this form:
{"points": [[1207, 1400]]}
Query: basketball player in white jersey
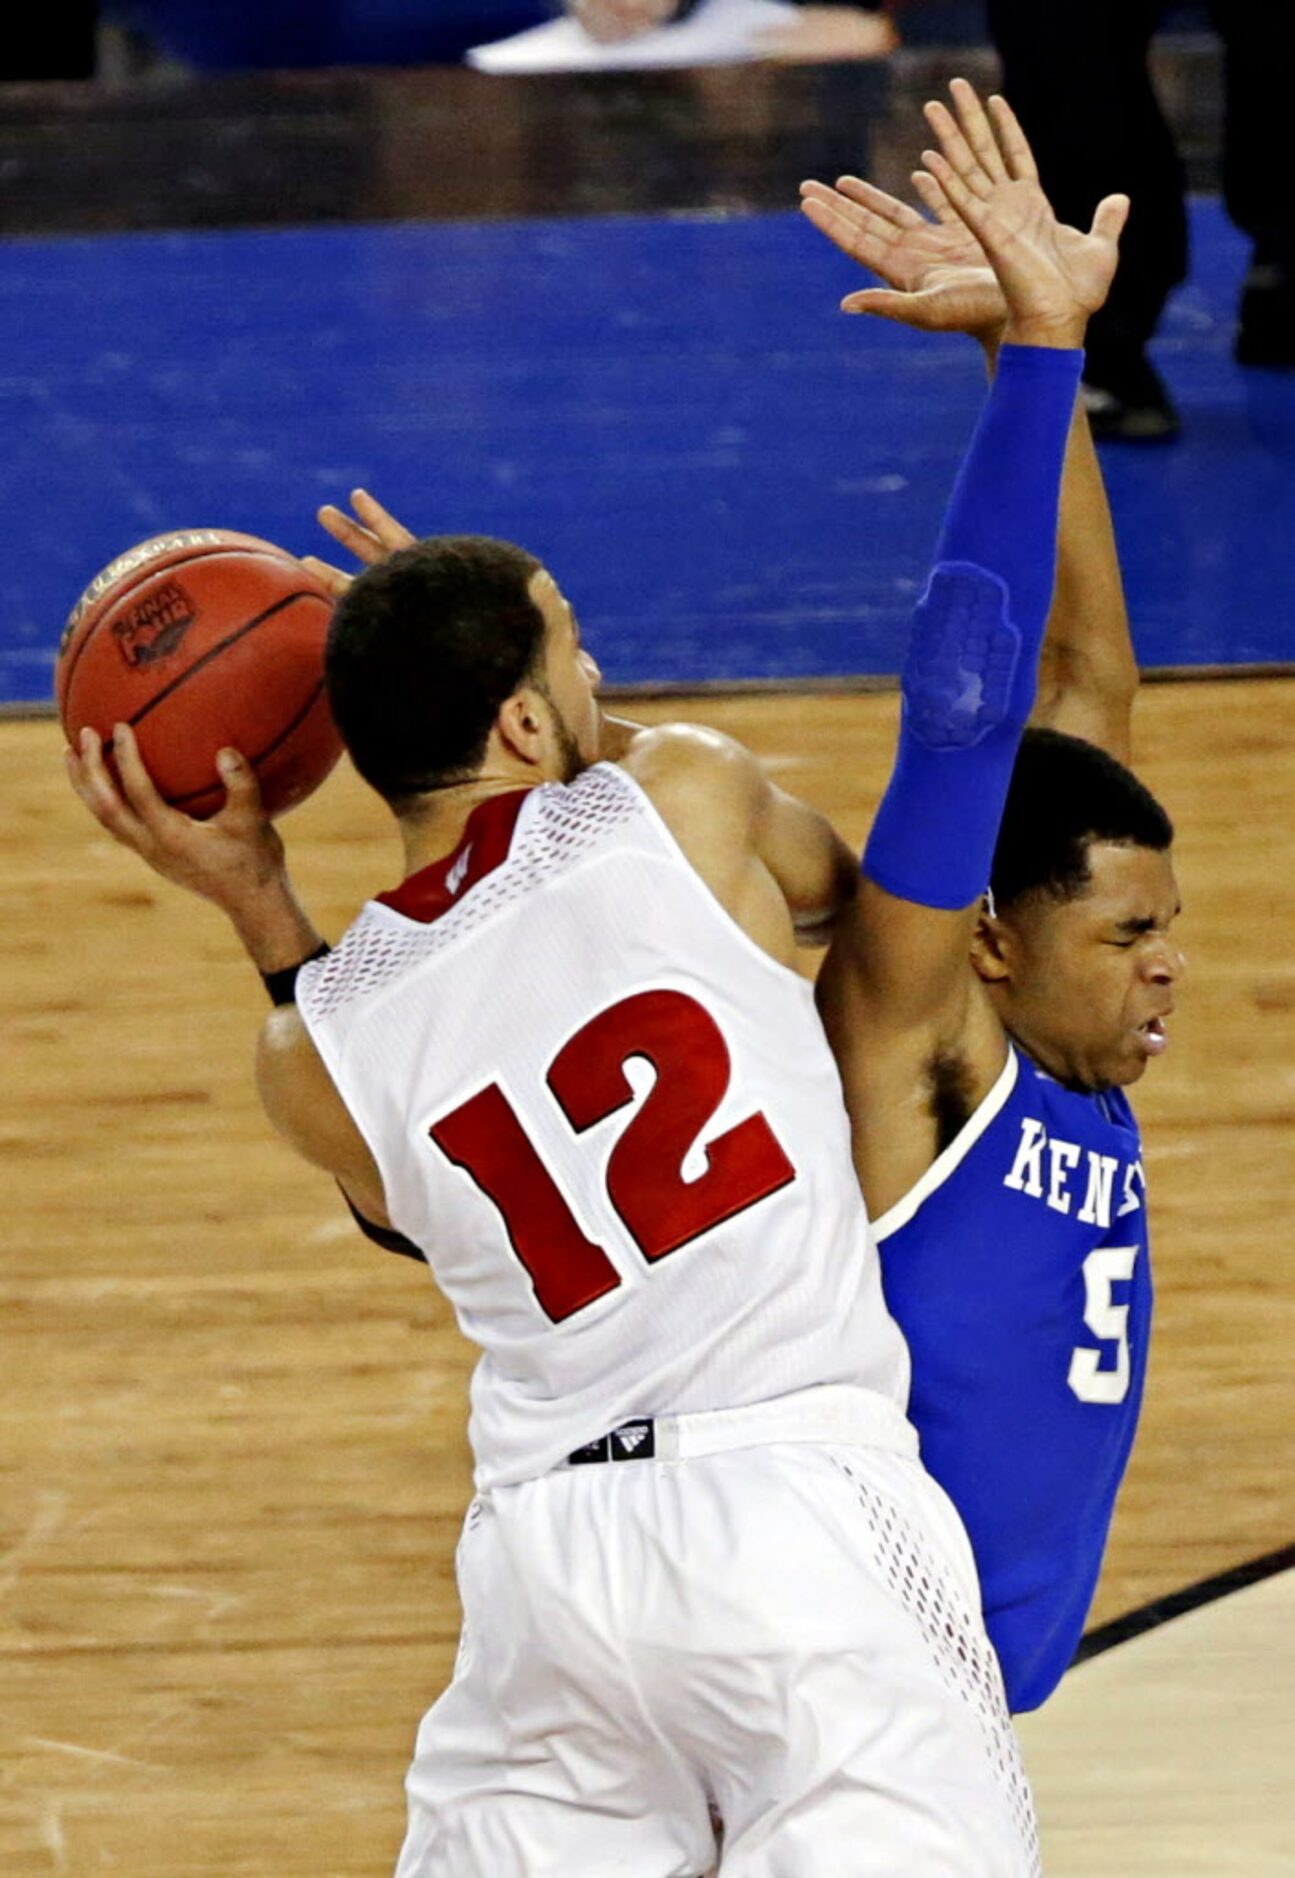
{"points": [[705, 1573]]}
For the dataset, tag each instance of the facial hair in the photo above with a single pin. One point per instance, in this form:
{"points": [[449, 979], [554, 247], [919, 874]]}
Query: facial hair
{"points": [[573, 763]]}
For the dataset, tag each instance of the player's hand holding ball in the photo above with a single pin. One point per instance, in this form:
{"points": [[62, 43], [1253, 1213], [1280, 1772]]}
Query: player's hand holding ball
{"points": [[201, 640], [190, 685], [230, 857]]}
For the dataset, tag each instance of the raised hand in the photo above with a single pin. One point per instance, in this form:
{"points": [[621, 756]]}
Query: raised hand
{"points": [[936, 274], [371, 534], [938, 277], [1052, 278]]}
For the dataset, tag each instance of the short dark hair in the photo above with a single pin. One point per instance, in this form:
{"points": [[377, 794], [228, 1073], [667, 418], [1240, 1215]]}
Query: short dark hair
{"points": [[1064, 795], [422, 651]]}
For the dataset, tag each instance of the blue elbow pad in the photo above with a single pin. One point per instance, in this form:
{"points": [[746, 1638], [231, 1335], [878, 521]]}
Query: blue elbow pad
{"points": [[962, 660], [964, 707]]}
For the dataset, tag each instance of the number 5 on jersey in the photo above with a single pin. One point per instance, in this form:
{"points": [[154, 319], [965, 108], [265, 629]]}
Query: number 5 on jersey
{"points": [[660, 1210], [1089, 1379]]}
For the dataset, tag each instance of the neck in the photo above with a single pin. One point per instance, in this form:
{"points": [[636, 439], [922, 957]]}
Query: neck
{"points": [[1016, 1023], [1050, 1060], [435, 827], [615, 735]]}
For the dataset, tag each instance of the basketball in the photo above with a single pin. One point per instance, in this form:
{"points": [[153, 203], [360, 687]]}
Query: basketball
{"points": [[201, 640]]}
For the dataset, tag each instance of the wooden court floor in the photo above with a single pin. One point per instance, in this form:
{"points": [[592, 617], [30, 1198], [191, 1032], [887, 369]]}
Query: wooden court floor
{"points": [[232, 1454]]}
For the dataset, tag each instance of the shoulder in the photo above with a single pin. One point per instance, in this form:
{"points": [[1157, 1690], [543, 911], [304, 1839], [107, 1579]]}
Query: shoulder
{"points": [[694, 776], [666, 750]]}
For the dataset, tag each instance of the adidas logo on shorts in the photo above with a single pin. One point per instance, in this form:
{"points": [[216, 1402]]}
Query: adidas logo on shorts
{"points": [[632, 1441]]}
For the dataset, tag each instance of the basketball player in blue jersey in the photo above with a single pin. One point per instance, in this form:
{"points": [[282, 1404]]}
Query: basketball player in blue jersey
{"points": [[986, 1039]]}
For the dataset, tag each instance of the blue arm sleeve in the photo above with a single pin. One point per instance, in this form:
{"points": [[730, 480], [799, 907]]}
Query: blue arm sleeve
{"points": [[972, 668]]}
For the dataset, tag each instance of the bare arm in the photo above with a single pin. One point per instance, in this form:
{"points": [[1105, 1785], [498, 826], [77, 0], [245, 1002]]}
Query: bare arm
{"points": [[775, 864], [1088, 675], [302, 1102]]}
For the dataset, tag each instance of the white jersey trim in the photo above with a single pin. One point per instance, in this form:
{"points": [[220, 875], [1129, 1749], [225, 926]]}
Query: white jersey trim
{"points": [[957, 1151], [739, 932]]}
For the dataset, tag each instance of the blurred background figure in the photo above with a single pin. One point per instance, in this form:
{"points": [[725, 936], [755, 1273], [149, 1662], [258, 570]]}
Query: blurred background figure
{"points": [[845, 31], [1077, 77]]}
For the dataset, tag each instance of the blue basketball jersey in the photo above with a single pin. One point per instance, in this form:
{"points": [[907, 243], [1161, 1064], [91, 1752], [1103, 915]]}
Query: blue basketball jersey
{"points": [[1017, 1268]]}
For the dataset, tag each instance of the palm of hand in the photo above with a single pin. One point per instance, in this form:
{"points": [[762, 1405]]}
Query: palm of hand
{"points": [[236, 853], [1048, 269], [945, 264], [923, 250]]}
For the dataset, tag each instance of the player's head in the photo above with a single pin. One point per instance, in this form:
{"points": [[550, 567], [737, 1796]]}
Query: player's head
{"points": [[1077, 949], [455, 657]]}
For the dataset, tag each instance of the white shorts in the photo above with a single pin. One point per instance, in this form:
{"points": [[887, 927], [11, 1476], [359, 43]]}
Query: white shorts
{"points": [[785, 1637]]}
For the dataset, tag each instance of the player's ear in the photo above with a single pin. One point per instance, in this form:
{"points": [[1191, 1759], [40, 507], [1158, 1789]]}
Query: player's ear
{"points": [[523, 726], [991, 945]]}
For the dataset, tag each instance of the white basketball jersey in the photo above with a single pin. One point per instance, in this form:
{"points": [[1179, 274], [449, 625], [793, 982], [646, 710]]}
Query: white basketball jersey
{"points": [[611, 1123]]}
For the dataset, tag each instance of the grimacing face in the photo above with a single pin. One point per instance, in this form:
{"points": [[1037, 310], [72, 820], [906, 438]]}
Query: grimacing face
{"points": [[1090, 981], [571, 675]]}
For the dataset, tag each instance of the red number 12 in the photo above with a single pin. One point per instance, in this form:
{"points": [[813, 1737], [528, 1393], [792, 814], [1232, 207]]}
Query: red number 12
{"points": [[660, 1210]]}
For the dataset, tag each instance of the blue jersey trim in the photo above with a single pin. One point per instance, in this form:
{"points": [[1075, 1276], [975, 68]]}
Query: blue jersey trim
{"points": [[958, 1149]]}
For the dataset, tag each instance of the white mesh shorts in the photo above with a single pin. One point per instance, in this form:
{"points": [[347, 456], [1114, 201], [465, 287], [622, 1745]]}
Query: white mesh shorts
{"points": [[785, 1638]]}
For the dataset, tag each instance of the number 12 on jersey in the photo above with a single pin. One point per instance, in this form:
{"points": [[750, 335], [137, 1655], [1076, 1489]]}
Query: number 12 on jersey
{"points": [[660, 1210]]}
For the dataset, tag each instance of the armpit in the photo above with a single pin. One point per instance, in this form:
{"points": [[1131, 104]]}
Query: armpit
{"points": [[951, 1095]]}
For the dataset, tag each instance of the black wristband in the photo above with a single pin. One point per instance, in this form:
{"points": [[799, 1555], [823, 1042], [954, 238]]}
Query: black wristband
{"points": [[282, 985]]}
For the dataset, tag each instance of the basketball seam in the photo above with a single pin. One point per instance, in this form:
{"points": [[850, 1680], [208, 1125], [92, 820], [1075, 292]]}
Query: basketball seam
{"points": [[211, 555], [213, 652], [191, 795]]}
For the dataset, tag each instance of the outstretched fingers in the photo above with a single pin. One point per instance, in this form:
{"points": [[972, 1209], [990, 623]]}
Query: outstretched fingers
{"points": [[1012, 141], [1108, 221], [906, 309], [371, 534], [935, 199], [970, 206], [856, 233], [887, 208], [957, 152], [348, 534], [978, 131], [392, 534]]}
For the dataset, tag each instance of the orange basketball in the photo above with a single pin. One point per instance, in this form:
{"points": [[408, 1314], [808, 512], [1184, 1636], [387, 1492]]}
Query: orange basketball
{"points": [[200, 640]]}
